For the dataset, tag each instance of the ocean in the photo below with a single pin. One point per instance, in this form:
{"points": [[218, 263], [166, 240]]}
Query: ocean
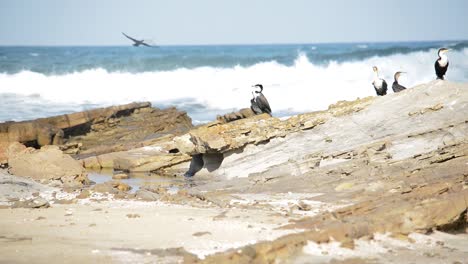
{"points": [[209, 80]]}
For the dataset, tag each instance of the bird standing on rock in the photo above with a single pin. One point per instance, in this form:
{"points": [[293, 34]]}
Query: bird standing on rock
{"points": [[259, 104], [396, 86], [441, 64], [380, 85]]}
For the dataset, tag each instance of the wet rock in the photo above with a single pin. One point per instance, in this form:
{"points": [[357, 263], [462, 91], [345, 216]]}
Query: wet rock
{"points": [[112, 187], [123, 187], [120, 176]]}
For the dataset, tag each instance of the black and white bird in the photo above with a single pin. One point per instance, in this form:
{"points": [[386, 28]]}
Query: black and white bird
{"points": [[380, 85], [396, 86], [442, 63], [137, 42], [259, 104]]}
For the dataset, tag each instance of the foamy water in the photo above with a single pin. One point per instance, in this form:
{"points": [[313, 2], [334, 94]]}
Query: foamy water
{"points": [[206, 91]]}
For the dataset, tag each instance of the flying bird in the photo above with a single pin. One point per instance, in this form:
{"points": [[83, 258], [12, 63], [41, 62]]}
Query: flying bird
{"points": [[259, 104], [441, 64], [380, 85], [137, 42]]}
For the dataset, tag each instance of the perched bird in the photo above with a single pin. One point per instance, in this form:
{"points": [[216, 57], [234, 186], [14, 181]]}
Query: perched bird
{"points": [[259, 104], [137, 42], [441, 64], [396, 86], [380, 85], [254, 106]]}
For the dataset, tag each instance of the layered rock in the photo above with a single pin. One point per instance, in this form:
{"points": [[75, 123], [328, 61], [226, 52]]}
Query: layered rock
{"points": [[52, 130], [270, 145], [143, 127]]}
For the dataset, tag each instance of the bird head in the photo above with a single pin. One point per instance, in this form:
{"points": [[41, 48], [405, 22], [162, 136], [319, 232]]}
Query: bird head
{"points": [[397, 75], [259, 86], [375, 69], [443, 51]]}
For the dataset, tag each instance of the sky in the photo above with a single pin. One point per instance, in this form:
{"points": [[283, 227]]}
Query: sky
{"points": [[195, 22]]}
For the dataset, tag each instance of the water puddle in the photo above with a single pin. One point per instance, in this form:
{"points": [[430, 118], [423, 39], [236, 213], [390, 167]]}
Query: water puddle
{"points": [[138, 180]]}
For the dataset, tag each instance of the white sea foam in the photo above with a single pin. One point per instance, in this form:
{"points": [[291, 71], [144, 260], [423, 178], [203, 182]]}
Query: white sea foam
{"points": [[301, 87]]}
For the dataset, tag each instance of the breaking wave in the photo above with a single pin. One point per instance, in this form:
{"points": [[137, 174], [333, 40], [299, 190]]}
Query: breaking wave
{"points": [[206, 90]]}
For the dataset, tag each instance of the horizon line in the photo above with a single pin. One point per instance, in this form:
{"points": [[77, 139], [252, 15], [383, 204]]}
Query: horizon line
{"points": [[231, 44]]}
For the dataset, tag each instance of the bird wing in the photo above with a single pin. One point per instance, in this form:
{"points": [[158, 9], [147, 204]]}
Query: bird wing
{"points": [[147, 45], [384, 86], [130, 37], [263, 103]]}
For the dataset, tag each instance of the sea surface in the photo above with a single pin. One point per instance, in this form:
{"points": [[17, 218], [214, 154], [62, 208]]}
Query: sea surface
{"points": [[209, 80]]}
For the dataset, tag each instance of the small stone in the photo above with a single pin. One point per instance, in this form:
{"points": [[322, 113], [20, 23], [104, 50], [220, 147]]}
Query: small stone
{"points": [[124, 187], [133, 215], [304, 206], [84, 194], [120, 176], [198, 234]]}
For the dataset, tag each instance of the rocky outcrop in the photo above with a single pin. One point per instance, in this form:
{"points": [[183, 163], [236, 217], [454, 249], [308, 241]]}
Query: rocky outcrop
{"points": [[143, 127], [271, 146], [52, 130], [160, 154], [222, 137], [396, 166], [49, 164]]}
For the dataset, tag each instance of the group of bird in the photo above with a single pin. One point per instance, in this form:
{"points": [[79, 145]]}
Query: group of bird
{"points": [[380, 85], [259, 104]]}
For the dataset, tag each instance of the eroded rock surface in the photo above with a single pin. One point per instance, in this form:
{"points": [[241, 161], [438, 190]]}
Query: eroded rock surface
{"points": [[48, 164], [52, 130]]}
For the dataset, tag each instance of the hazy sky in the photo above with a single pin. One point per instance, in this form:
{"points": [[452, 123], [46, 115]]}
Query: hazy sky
{"points": [[99, 22]]}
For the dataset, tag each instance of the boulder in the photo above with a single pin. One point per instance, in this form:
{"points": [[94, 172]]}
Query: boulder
{"points": [[48, 163], [10, 149]]}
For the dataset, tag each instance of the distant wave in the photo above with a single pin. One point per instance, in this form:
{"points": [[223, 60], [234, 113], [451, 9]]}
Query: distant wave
{"points": [[67, 60], [207, 91]]}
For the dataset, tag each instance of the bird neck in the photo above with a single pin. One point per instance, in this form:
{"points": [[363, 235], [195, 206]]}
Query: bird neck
{"points": [[376, 76], [443, 59]]}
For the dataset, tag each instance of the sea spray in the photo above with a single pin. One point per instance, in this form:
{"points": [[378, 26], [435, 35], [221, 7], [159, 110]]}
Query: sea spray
{"points": [[204, 91]]}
